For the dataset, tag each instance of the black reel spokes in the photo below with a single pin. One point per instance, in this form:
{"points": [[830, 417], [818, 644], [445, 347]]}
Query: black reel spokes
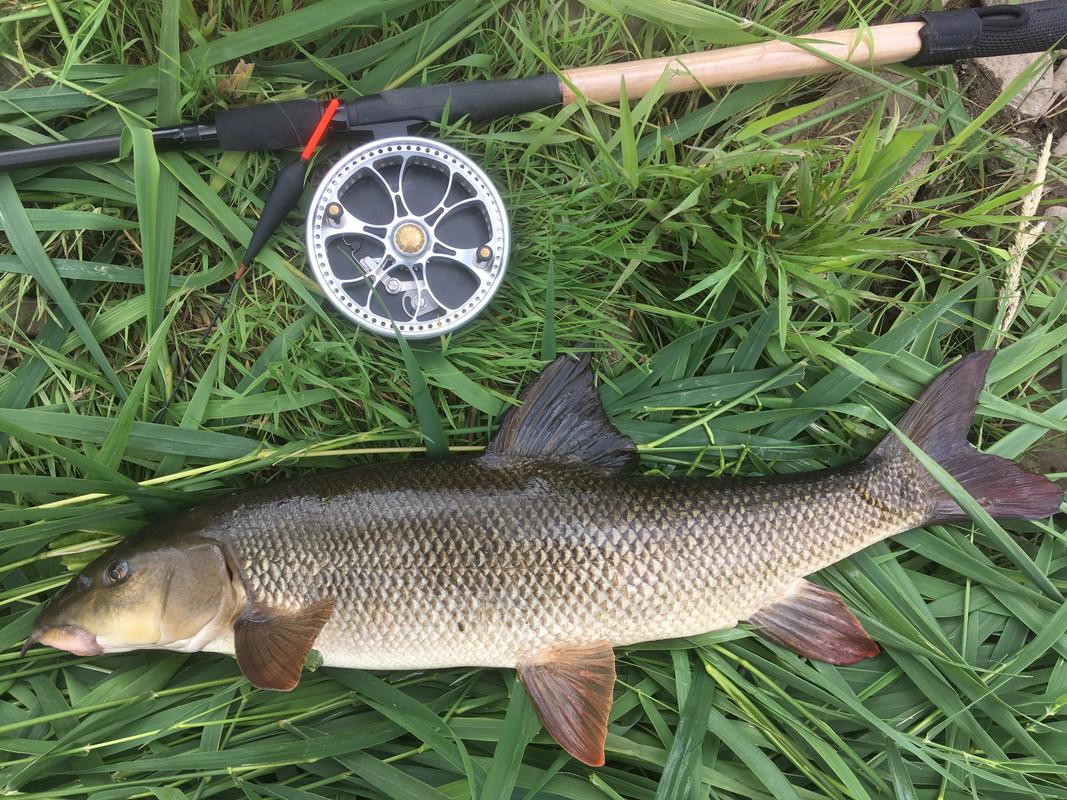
{"points": [[408, 231]]}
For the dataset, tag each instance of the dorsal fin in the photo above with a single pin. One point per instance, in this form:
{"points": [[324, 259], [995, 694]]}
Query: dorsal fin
{"points": [[560, 418]]}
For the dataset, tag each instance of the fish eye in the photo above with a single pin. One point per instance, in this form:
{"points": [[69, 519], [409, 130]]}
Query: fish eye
{"points": [[116, 572]]}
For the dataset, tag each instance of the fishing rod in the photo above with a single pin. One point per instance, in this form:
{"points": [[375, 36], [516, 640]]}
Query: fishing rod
{"points": [[927, 39], [407, 235]]}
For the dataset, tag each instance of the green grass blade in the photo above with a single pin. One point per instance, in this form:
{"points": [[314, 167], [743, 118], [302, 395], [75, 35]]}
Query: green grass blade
{"points": [[520, 725], [405, 711], [684, 761], [24, 241]]}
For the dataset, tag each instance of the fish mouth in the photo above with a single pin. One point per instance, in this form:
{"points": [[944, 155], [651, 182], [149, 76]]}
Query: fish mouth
{"points": [[66, 637]]}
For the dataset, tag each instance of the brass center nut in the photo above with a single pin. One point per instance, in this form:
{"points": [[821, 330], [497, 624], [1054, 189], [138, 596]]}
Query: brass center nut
{"points": [[410, 238]]}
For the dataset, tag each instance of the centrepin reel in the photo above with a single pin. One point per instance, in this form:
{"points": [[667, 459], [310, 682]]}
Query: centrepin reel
{"points": [[409, 232]]}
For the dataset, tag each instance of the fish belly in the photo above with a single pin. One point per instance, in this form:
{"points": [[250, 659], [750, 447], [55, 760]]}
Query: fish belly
{"points": [[441, 564]]}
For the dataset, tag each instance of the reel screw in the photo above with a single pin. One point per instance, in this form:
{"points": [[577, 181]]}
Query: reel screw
{"points": [[334, 212], [392, 285]]}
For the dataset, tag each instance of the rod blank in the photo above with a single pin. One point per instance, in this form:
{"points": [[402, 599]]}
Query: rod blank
{"points": [[101, 147]]}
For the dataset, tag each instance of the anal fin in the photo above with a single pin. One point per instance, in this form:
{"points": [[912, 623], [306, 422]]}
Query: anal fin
{"points": [[271, 647], [815, 623], [571, 689]]}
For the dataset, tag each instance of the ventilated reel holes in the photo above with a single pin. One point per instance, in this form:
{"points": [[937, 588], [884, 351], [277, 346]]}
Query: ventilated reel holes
{"points": [[408, 231]]}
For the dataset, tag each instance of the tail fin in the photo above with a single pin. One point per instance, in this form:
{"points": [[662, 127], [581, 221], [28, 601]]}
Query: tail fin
{"points": [[938, 423]]}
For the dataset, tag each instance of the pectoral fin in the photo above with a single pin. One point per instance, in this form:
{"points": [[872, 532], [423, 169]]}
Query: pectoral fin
{"points": [[815, 623], [271, 648], [570, 688]]}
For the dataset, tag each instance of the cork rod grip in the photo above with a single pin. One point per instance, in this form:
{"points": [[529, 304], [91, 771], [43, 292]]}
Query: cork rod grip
{"points": [[764, 61]]}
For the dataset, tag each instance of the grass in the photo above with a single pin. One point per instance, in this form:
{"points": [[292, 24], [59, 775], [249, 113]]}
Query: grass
{"points": [[764, 290]]}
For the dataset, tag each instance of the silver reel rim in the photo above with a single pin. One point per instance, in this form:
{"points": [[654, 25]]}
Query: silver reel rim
{"points": [[412, 272]]}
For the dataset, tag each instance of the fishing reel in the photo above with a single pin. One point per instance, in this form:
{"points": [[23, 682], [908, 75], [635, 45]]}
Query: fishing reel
{"points": [[408, 232]]}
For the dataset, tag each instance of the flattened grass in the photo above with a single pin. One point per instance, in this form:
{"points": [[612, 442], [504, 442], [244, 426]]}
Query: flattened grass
{"points": [[764, 289]]}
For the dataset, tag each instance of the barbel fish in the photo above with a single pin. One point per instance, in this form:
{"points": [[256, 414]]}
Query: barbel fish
{"points": [[541, 554]]}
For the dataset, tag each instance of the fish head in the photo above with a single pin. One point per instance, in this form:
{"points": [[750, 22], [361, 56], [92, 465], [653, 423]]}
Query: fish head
{"points": [[160, 588]]}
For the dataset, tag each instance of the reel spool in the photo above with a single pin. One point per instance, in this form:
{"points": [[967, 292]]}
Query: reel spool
{"points": [[409, 231]]}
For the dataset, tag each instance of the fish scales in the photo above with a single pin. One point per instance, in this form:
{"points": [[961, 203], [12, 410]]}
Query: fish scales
{"points": [[540, 554], [445, 563]]}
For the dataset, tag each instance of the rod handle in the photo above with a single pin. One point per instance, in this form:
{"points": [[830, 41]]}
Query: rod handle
{"points": [[949, 36], [747, 63], [268, 126], [277, 126], [475, 100]]}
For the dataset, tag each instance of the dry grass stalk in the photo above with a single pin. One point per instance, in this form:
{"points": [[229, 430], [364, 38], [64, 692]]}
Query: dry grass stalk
{"points": [[1029, 231]]}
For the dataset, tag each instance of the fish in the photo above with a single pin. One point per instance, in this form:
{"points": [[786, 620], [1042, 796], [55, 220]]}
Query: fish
{"points": [[541, 554]]}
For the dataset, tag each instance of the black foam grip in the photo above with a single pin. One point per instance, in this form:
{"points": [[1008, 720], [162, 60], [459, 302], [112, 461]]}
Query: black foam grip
{"points": [[476, 100], [269, 126], [949, 36]]}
